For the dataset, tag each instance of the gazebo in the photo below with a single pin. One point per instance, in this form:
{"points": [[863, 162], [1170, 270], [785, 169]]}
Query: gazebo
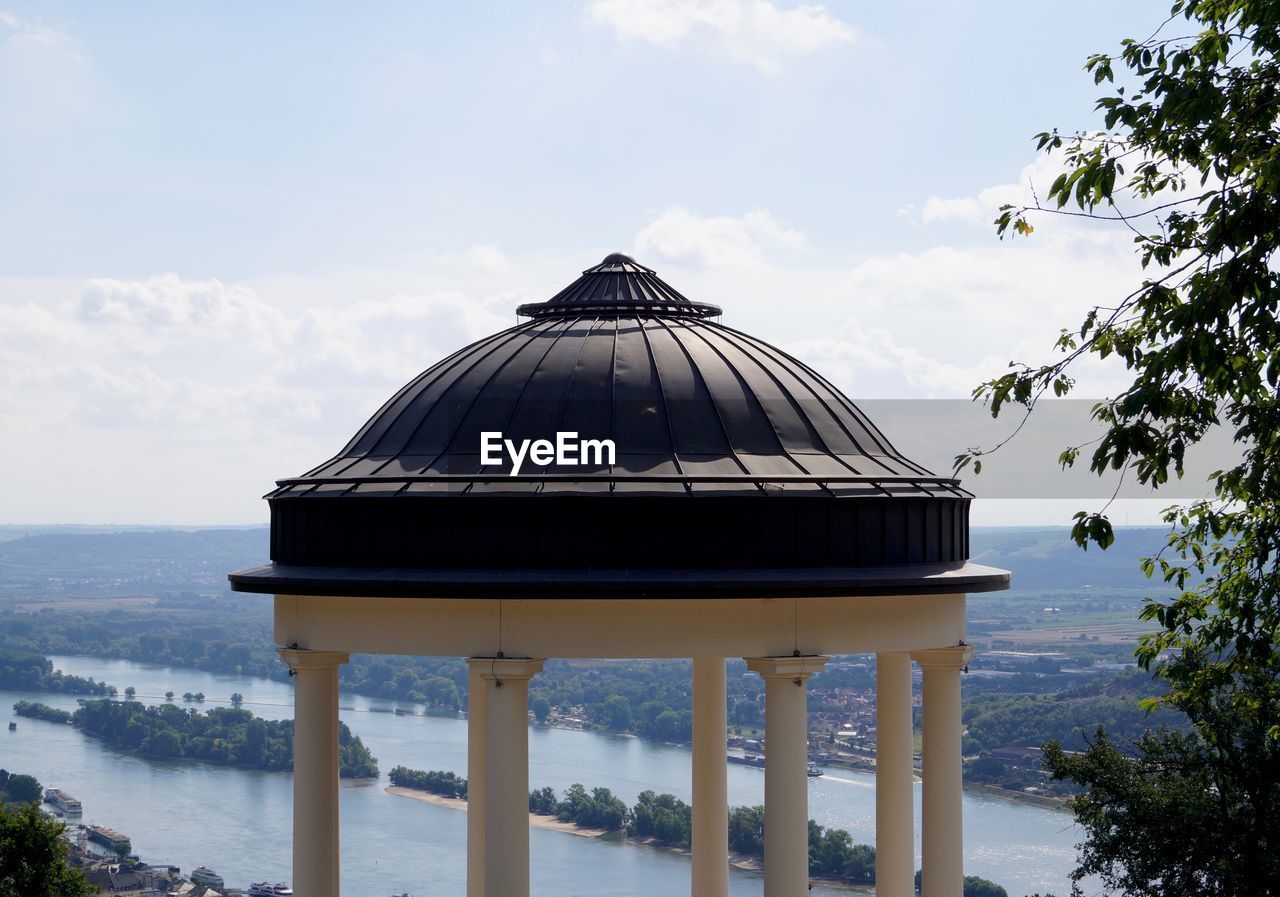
{"points": [[622, 476]]}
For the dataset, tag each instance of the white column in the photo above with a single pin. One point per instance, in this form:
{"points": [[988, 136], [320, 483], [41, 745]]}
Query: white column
{"points": [[475, 775], [505, 771], [942, 821], [315, 769], [895, 825], [710, 849], [786, 781]]}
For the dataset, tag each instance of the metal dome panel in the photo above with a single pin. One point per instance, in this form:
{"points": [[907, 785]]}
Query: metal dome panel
{"points": [[683, 399]]}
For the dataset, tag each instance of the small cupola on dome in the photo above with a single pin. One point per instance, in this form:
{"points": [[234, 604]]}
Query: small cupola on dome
{"points": [[618, 285]]}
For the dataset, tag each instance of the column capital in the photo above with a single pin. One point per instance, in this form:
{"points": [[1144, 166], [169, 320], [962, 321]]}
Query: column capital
{"points": [[306, 659], [801, 667], [955, 657], [498, 669]]}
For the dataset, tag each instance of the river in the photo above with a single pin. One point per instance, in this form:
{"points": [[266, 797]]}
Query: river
{"points": [[238, 821]]}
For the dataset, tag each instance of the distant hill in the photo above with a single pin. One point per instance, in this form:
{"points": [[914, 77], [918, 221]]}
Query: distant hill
{"points": [[129, 561], [10, 531], [1046, 558]]}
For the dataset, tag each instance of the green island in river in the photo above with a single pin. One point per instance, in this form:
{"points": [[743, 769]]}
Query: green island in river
{"points": [[228, 736]]}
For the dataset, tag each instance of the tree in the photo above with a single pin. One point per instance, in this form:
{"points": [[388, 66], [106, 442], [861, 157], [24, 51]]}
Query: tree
{"points": [[541, 708], [237, 699], [164, 744], [168, 696], [1155, 824], [16, 788], [832, 854], [1189, 164], [672, 725], [746, 830], [617, 713], [33, 857], [975, 886], [662, 817], [543, 801], [442, 692]]}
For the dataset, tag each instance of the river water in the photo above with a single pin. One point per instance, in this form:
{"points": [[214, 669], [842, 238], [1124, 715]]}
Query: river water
{"points": [[239, 821]]}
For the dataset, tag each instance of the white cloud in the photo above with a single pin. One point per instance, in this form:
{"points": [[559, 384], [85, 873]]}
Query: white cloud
{"points": [[982, 208], [20, 34], [754, 31], [869, 361], [205, 311], [677, 235], [173, 400], [1032, 184]]}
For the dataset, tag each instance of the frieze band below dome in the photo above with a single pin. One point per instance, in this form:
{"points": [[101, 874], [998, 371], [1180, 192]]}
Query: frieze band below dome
{"points": [[618, 531]]}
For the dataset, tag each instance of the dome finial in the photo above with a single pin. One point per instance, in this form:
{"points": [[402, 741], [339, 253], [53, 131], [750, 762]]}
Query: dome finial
{"points": [[619, 285]]}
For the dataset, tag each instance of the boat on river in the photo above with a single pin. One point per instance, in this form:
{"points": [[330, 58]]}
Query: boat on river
{"points": [[265, 889], [60, 800], [203, 875], [756, 760], [109, 837]]}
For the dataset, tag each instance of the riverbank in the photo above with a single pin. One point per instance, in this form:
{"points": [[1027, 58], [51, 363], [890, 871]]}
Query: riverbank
{"points": [[744, 862], [457, 803], [1043, 801]]}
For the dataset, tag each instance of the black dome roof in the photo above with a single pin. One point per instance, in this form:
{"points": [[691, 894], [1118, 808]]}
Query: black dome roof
{"points": [[744, 451], [690, 404]]}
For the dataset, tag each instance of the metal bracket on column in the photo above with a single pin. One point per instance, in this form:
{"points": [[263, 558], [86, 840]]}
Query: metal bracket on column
{"points": [[798, 669], [498, 669], [956, 656], [300, 659]]}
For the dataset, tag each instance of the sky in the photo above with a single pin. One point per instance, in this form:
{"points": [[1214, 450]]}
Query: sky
{"points": [[228, 232]]}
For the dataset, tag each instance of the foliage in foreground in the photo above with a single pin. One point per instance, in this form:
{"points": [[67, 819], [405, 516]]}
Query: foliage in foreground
{"points": [[1162, 820], [1189, 164], [33, 857]]}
